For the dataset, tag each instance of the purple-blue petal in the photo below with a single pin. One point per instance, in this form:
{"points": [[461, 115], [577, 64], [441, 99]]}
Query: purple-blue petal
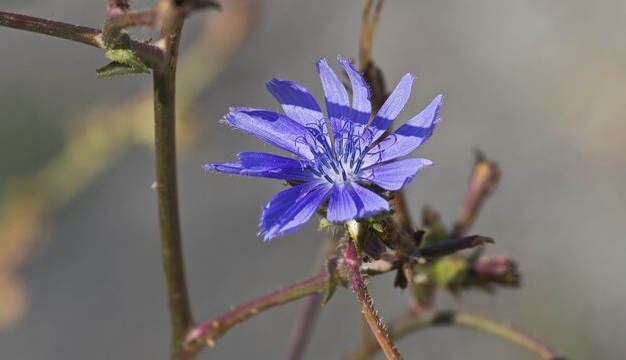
{"points": [[367, 202], [409, 136], [361, 105], [271, 127], [337, 102], [264, 165], [396, 174], [392, 106], [290, 209], [296, 100], [341, 206]]}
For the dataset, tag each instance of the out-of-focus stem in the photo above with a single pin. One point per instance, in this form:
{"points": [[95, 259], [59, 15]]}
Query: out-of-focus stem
{"points": [[369, 23], [210, 331], [370, 314], [483, 181], [306, 319], [409, 324], [166, 183], [106, 134], [120, 4]]}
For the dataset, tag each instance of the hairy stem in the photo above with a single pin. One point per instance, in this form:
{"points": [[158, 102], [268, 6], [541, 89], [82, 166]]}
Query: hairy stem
{"points": [[359, 287], [166, 183], [409, 324]]}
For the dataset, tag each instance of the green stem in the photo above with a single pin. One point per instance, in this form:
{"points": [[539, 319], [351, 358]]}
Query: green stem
{"points": [[410, 324], [166, 184]]}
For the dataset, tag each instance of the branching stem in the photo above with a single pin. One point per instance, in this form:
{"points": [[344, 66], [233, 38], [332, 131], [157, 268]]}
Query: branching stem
{"points": [[210, 331], [411, 323], [150, 55]]}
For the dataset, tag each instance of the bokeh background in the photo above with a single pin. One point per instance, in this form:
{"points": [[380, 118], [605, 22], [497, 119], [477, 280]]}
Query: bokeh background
{"points": [[538, 85]]}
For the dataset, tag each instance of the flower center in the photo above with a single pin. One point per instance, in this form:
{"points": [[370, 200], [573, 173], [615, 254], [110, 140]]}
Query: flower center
{"points": [[342, 162]]}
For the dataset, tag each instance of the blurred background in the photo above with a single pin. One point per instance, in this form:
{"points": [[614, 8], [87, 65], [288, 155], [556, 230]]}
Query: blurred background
{"points": [[539, 86]]}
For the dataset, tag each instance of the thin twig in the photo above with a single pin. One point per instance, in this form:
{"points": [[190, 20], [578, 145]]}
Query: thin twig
{"points": [[118, 4], [57, 29], [359, 287], [409, 324], [369, 24], [150, 55], [166, 183], [210, 331], [304, 326], [483, 181], [306, 319]]}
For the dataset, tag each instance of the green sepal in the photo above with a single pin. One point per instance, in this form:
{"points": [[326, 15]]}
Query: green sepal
{"points": [[450, 271], [333, 279], [324, 224], [378, 227]]}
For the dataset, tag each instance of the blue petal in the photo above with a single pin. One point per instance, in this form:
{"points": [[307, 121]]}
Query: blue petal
{"points": [[290, 209], [337, 103], [408, 137], [264, 165], [394, 175], [367, 202], [361, 105], [296, 100], [341, 206], [271, 127], [392, 106]]}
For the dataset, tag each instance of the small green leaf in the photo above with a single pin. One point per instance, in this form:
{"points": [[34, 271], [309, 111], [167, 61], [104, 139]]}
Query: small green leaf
{"points": [[116, 69], [127, 57], [330, 289]]}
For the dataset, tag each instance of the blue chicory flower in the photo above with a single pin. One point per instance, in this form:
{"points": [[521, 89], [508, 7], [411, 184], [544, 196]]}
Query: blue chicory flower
{"points": [[336, 165]]}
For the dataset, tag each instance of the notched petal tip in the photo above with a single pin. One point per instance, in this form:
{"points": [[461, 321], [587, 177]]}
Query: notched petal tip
{"points": [[209, 167], [344, 60], [322, 60], [410, 76]]}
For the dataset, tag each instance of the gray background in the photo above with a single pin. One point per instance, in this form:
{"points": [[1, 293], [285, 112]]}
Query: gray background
{"points": [[539, 85]]}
